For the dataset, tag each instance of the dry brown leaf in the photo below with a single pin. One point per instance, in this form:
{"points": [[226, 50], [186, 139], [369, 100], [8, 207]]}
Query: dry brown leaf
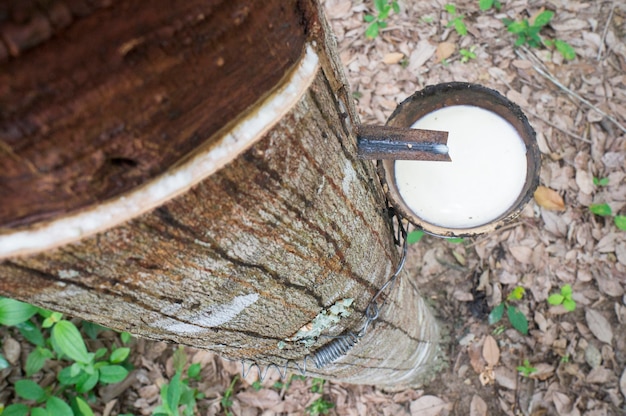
{"points": [[491, 352], [569, 25], [339, 8], [599, 325], [463, 296], [522, 64], [564, 405], [543, 371], [554, 223], [12, 350], [620, 253], [476, 359], [264, 398], [444, 50], [506, 377], [522, 254], [610, 286], [108, 408], [478, 407], [488, 376], [593, 356], [459, 257], [517, 98], [420, 55], [549, 199], [428, 406], [393, 409], [393, 58], [584, 180], [149, 392], [599, 375]]}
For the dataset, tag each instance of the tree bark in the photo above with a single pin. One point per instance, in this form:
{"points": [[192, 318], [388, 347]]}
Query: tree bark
{"points": [[218, 202]]}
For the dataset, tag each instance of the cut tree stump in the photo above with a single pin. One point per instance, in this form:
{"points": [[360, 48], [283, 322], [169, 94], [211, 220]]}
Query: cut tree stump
{"points": [[187, 171]]}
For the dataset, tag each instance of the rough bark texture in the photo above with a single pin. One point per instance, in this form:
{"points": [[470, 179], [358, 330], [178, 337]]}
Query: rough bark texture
{"points": [[251, 254]]}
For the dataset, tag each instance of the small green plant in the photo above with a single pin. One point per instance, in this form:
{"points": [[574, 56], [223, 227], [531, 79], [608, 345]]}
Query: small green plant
{"points": [[498, 330], [414, 236], [379, 21], [604, 210], [517, 319], [600, 181], [317, 385], [488, 4], [562, 47], [56, 338], [320, 406], [456, 19], [526, 369], [455, 240], [177, 393], [528, 34], [467, 54], [564, 298], [227, 401], [280, 385]]}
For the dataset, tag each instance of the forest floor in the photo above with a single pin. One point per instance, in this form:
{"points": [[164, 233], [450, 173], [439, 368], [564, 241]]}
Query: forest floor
{"points": [[578, 357], [574, 360]]}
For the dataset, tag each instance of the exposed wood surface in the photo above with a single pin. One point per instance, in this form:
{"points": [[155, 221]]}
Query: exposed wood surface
{"points": [[110, 102]]}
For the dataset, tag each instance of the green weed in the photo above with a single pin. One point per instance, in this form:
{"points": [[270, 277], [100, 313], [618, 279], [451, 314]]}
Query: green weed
{"points": [[378, 21], [57, 338], [320, 406], [227, 401], [600, 181], [456, 19], [564, 298], [528, 34], [517, 319], [488, 4], [414, 236], [177, 393], [526, 369], [467, 54], [604, 210]]}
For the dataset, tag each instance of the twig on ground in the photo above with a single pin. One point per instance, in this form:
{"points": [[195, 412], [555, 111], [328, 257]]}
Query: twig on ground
{"points": [[545, 120], [538, 66], [606, 29], [569, 133]]}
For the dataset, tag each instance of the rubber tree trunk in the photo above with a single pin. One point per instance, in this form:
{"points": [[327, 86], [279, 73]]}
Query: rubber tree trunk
{"points": [[186, 171]]}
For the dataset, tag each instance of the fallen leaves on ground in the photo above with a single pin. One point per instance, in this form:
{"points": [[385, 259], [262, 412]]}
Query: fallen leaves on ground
{"points": [[549, 199]]}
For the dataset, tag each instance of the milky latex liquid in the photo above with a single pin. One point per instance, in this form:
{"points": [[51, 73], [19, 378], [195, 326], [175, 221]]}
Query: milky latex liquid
{"points": [[484, 179]]}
